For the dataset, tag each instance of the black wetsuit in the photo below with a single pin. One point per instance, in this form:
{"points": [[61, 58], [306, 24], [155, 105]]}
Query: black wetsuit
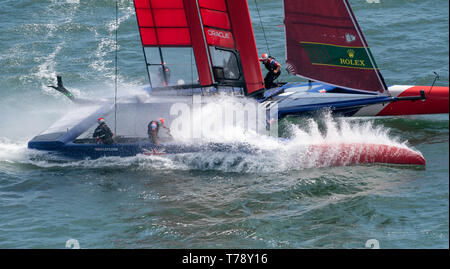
{"points": [[271, 65], [103, 134], [164, 74], [150, 131]]}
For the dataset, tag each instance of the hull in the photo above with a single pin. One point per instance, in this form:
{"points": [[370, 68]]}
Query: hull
{"points": [[71, 136], [437, 102], [295, 99], [320, 154], [95, 151], [358, 153]]}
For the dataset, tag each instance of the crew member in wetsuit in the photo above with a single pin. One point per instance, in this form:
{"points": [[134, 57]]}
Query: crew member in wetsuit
{"points": [[153, 129], [274, 70], [102, 133], [164, 74]]}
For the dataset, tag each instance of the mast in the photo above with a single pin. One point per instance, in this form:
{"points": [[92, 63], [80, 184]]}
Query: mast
{"points": [[116, 69]]}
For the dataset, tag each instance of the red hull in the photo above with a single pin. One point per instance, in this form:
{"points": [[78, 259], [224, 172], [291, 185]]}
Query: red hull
{"points": [[436, 102], [359, 153]]}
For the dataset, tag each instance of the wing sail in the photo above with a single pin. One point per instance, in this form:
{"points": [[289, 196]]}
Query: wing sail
{"points": [[325, 43]]}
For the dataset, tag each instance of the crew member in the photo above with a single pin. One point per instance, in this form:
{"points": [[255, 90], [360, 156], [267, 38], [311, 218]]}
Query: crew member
{"points": [[274, 70], [102, 133], [164, 74], [153, 129]]}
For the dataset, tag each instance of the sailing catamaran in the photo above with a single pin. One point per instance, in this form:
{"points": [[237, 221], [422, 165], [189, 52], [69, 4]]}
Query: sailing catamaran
{"points": [[324, 44], [204, 47]]}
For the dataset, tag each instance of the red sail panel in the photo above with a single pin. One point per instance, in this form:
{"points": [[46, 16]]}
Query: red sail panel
{"points": [[173, 36], [217, 19], [162, 23], [216, 22], [174, 23], [148, 36], [325, 43], [219, 38], [213, 5], [201, 24], [246, 44]]}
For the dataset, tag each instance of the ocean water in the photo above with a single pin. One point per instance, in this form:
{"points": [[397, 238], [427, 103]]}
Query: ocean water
{"points": [[210, 199]]}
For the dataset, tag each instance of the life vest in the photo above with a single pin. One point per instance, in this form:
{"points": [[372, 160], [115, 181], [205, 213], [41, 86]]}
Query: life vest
{"points": [[149, 131], [103, 134], [271, 64], [164, 73]]}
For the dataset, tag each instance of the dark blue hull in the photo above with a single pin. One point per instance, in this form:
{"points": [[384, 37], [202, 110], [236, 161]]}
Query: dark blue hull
{"points": [[94, 151], [73, 137]]}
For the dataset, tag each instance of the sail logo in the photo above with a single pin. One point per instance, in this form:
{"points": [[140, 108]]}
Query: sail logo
{"points": [[219, 38], [351, 53], [219, 34], [337, 55], [349, 38], [351, 61]]}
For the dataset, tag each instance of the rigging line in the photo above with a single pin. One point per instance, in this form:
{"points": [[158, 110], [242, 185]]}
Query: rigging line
{"points": [[383, 84], [192, 69], [115, 67], [262, 26], [436, 77]]}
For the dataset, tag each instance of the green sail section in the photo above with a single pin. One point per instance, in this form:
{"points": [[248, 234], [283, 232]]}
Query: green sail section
{"points": [[339, 56]]}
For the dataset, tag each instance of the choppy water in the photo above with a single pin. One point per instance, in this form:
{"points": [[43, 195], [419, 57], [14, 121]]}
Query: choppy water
{"points": [[214, 200]]}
